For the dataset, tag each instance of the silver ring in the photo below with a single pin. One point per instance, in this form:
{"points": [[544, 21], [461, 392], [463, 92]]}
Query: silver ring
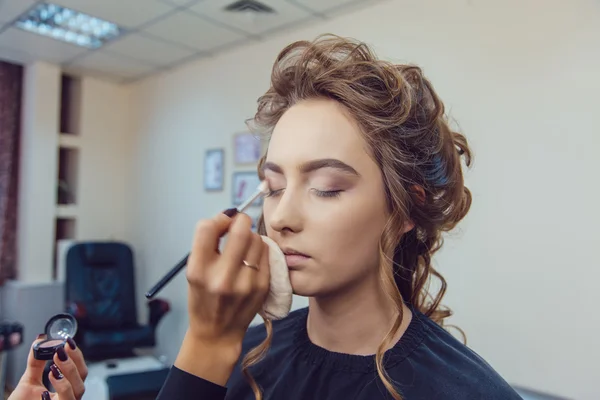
{"points": [[247, 264]]}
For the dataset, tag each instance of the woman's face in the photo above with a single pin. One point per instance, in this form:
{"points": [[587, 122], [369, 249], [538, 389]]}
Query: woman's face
{"points": [[327, 200]]}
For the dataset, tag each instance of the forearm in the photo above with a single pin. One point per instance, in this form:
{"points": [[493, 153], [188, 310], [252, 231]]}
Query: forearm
{"points": [[213, 362]]}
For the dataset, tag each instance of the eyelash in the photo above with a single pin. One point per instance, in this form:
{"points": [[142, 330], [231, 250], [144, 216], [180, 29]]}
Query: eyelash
{"points": [[329, 193], [320, 193], [273, 193]]}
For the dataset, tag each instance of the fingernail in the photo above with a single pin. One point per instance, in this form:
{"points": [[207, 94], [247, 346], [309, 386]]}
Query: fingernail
{"points": [[56, 372], [230, 212], [62, 354], [41, 336], [72, 344], [46, 396]]}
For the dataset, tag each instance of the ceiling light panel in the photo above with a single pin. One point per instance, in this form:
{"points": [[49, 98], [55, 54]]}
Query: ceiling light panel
{"points": [[68, 25]]}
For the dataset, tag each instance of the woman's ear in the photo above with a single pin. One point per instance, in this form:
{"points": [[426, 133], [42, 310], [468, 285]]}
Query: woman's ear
{"points": [[408, 226], [419, 193]]}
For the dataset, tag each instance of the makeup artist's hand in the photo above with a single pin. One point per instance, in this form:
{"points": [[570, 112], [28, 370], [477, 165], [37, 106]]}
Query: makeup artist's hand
{"points": [[224, 294], [67, 376]]}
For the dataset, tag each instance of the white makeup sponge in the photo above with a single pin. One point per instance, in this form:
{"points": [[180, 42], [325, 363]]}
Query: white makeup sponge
{"points": [[279, 300]]}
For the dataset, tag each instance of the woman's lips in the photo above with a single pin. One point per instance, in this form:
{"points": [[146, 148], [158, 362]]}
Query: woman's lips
{"points": [[294, 261]]}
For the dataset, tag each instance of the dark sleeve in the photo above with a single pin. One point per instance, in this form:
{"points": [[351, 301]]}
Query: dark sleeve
{"points": [[181, 385]]}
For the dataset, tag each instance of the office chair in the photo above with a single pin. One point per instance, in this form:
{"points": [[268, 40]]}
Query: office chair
{"points": [[100, 294]]}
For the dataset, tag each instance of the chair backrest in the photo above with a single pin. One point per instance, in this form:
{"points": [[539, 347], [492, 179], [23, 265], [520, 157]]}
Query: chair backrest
{"points": [[100, 278]]}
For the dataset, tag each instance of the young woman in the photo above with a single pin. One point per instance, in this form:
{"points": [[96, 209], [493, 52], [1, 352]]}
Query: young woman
{"points": [[365, 175]]}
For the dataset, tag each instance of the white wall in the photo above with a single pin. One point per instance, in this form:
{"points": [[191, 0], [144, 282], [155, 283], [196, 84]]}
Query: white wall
{"points": [[105, 172], [38, 166], [521, 78], [105, 143]]}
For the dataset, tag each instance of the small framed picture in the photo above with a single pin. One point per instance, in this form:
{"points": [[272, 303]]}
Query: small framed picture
{"points": [[213, 169], [247, 148], [244, 185]]}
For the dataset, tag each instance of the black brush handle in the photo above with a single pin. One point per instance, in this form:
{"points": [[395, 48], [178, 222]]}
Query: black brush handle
{"points": [[230, 212]]}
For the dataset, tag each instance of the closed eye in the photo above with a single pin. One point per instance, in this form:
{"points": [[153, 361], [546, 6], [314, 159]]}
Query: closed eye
{"points": [[273, 193], [320, 193], [328, 193]]}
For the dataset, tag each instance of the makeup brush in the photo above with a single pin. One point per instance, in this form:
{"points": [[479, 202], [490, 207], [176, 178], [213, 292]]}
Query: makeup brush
{"points": [[261, 190]]}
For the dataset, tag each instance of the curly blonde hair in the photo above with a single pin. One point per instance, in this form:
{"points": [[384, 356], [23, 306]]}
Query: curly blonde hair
{"points": [[404, 124]]}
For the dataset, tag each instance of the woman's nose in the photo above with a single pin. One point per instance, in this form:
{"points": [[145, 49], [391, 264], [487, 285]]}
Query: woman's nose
{"points": [[286, 214]]}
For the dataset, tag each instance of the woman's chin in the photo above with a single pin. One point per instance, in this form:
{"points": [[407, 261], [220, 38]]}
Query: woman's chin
{"points": [[301, 285], [305, 285]]}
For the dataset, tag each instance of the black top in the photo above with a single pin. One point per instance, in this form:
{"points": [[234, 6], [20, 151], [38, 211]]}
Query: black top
{"points": [[427, 363]]}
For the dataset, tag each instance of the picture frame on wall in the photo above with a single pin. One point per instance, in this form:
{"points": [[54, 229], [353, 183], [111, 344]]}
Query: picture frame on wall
{"points": [[247, 148], [244, 184], [214, 176]]}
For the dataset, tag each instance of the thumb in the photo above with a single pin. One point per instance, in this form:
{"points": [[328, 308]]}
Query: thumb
{"points": [[225, 218], [35, 368]]}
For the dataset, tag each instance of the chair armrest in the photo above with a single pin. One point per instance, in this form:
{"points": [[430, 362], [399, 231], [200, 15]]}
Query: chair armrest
{"points": [[158, 309], [79, 311]]}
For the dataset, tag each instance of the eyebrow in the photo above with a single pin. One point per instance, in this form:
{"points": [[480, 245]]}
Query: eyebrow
{"points": [[314, 165]]}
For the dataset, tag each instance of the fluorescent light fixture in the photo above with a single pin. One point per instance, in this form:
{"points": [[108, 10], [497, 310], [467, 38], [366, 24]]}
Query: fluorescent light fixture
{"points": [[68, 25]]}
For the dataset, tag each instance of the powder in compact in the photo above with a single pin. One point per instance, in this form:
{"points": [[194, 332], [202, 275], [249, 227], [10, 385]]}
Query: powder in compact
{"points": [[51, 343]]}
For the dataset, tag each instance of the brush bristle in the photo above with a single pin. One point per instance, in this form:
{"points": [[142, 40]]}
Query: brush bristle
{"points": [[264, 187]]}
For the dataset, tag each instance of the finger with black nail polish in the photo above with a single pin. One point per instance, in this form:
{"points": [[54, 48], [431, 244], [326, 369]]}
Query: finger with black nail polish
{"points": [[56, 372], [62, 354], [231, 212], [72, 344], [46, 395]]}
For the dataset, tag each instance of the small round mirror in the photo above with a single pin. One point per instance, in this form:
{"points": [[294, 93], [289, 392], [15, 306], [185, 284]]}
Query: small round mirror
{"points": [[61, 326]]}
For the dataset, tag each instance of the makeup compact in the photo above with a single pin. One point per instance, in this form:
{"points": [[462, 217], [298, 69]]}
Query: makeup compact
{"points": [[58, 329]]}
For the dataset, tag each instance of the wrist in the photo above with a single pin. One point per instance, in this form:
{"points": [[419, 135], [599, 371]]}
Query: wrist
{"points": [[210, 360]]}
